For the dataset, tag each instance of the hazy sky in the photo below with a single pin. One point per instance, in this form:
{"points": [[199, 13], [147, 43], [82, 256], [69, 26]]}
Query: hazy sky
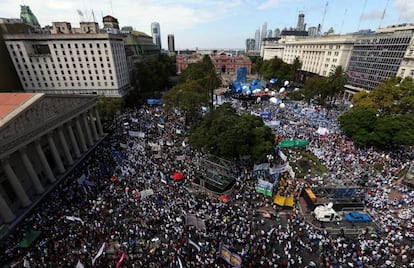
{"points": [[216, 23]]}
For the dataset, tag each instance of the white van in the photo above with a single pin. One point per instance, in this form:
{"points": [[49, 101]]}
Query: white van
{"points": [[326, 213]]}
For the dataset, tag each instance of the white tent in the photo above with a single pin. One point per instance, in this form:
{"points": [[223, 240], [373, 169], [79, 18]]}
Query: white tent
{"points": [[322, 131]]}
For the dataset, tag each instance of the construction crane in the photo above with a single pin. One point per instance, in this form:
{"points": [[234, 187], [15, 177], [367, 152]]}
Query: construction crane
{"points": [[324, 15], [383, 14]]}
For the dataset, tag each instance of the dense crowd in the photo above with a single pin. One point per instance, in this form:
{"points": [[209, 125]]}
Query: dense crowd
{"points": [[123, 199]]}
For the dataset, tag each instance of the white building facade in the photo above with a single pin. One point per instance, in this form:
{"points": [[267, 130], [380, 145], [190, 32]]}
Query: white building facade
{"points": [[319, 55], [66, 63]]}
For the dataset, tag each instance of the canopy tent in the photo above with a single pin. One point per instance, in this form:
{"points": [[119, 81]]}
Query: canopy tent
{"points": [[322, 131], [177, 176], [224, 198], [154, 102], [284, 201], [293, 143], [28, 239]]}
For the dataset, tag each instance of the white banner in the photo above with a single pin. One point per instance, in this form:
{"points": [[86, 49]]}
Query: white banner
{"points": [[137, 134], [72, 218], [282, 155], [99, 253]]}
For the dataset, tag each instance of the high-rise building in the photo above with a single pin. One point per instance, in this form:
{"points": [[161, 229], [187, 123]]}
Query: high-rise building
{"points": [[379, 56], [250, 44], [28, 17], [263, 33], [70, 63], [257, 39], [269, 34], [312, 31], [156, 33], [276, 32], [9, 80], [171, 43], [301, 22]]}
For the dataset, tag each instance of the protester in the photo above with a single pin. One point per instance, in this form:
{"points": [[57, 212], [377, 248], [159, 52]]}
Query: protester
{"points": [[122, 207]]}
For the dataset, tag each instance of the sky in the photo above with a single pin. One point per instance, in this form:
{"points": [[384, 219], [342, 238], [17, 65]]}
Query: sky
{"points": [[218, 24]]}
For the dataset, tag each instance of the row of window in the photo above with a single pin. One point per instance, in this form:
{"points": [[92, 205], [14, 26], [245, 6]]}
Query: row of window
{"points": [[82, 45], [66, 84]]}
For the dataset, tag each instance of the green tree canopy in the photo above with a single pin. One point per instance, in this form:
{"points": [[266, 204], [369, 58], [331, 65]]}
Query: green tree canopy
{"points": [[336, 82], [276, 68], [150, 78], [315, 89], [187, 97], [225, 134], [383, 117], [195, 88]]}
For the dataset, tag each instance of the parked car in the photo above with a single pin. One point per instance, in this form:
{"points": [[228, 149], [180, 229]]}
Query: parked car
{"points": [[355, 216]]}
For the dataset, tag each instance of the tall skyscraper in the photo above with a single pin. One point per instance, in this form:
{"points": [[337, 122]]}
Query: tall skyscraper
{"points": [[250, 44], [264, 33], [156, 33], [301, 22], [27, 16], [269, 34], [276, 32], [171, 43], [257, 39]]}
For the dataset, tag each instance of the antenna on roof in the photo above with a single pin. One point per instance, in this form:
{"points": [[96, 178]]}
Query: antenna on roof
{"points": [[362, 13], [93, 16], [401, 13], [112, 8], [383, 14]]}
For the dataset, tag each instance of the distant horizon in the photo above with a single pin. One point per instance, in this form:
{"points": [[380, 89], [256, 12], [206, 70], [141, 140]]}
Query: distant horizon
{"points": [[220, 24]]}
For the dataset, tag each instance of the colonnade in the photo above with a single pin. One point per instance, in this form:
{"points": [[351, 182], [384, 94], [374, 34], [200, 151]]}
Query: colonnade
{"points": [[88, 129]]}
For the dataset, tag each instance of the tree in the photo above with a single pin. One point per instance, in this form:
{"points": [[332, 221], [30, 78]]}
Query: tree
{"points": [[150, 78], [383, 117], [296, 66], [257, 63], [225, 134], [187, 97], [204, 74], [276, 68], [315, 89], [336, 82]]}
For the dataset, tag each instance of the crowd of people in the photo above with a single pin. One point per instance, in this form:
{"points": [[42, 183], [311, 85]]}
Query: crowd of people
{"points": [[122, 207]]}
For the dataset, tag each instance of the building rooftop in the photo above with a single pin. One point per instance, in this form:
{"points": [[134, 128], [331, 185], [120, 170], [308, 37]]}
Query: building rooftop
{"points": [[9, 102]]}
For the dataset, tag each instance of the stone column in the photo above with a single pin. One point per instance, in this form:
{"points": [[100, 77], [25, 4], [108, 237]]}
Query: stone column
{"points": [[14, 181], [94, 131], [98, 122], [73, 140], [55, 154], [88, 130], [45, 164], [65, 146], [81, 137], [5, 211], [32, 173]]}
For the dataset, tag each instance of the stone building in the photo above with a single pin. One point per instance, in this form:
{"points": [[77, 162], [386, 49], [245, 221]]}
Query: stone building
{"points": [[42, 137]]}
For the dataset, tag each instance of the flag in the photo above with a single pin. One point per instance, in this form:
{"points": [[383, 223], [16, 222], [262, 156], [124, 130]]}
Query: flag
{"points": [[99, 253], [194, 244], [71, 218], [118, 264], [79, 265]]}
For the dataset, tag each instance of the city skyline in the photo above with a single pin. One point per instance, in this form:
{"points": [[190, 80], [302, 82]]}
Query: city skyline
{"points": [[220, 24]]}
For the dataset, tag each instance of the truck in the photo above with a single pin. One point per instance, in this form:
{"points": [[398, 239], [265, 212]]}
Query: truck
{"points": [[325, 213]]}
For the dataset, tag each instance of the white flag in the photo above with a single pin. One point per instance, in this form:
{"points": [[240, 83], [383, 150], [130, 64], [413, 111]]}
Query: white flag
{"points": [[99, 253]]}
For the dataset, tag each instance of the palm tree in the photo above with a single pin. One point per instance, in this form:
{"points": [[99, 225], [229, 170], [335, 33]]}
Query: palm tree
{"points": [[296, 66], [336, 81]]}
